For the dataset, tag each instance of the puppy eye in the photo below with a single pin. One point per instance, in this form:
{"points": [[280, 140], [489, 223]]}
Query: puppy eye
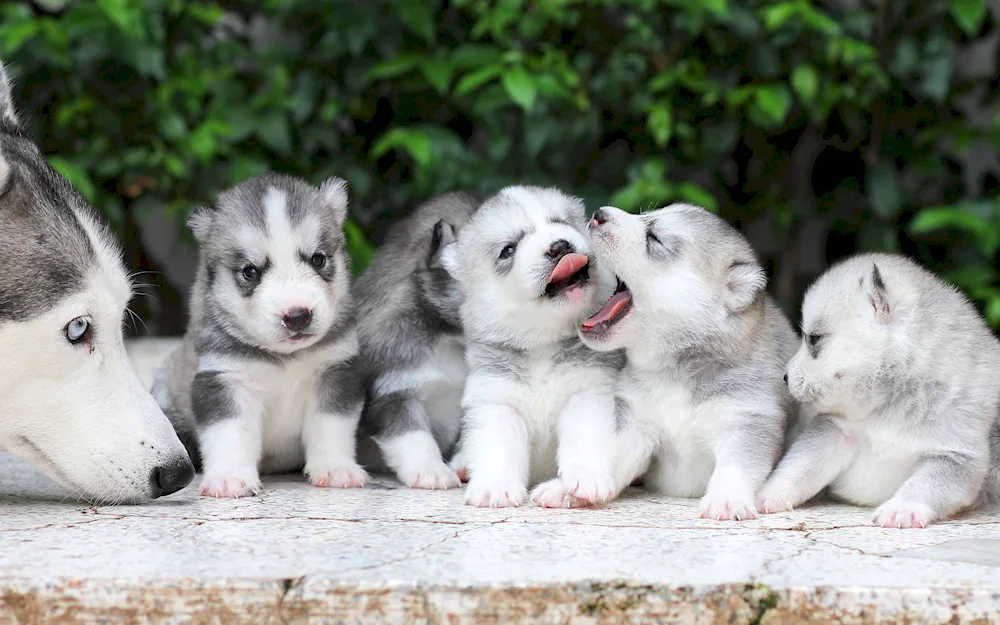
{"points": [[318, 260], [507, 251], [251, 273], [813, 339], [78, 331]]}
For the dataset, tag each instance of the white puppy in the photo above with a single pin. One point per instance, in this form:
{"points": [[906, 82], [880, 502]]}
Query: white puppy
{"points": [[903, 373], [537, 404], [701, 395]]}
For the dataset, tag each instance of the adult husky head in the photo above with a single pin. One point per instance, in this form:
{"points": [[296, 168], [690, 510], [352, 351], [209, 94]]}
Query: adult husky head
{"points": [[70, 402], [526, 266], [275, 266]]}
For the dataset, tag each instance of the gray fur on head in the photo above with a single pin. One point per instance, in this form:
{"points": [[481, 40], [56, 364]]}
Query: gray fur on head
{"points": [[706, 348], [411, 343], [904, 371]]}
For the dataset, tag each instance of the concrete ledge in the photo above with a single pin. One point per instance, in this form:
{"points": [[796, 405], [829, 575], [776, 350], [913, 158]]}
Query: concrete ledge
{"points": [[387, 554]]}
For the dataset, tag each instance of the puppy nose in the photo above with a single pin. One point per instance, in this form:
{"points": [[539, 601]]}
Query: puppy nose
{"points": [[297, 319], [171, 478], [600, 217], [785, 378], [559, 248]]}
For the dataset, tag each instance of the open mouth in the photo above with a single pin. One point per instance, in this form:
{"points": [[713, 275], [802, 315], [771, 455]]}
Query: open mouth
{"points": [[613, 311], [572, 272]]}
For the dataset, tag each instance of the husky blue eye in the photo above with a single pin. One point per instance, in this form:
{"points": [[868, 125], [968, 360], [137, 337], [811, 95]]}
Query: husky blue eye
{"points": [[507, 251], [251, 273], [317, 260], [76, 330]]}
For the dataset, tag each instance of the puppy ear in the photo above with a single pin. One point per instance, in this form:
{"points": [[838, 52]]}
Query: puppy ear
{"points": [[448, 258], [576, 211], [443, 235], [200, 222], [334, 192], [744, 282], [876, 295], [8, 114]]}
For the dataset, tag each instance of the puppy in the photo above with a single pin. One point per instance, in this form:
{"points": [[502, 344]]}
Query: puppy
{"points": [[700, 402], [412, 348], [267, 377], [903, 373], [537, 404]]}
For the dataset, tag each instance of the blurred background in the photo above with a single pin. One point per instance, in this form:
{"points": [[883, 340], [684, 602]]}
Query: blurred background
{"points": [[820, 129]]}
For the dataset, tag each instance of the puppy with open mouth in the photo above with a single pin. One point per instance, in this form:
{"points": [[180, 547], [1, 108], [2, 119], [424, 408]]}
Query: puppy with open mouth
{"points": [[538, 405], [701, 405]]}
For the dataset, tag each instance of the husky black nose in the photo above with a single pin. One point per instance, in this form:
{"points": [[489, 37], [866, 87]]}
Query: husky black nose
{"points": [[559, 248], [599, 218], [172, 477], [297, 319]]}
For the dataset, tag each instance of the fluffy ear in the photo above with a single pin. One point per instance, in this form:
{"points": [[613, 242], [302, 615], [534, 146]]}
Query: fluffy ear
{"points": [[8, 114], [448, 258], [876, 295], [744, 282], [576, 211], [334, 192], [443, 235], [200, 223]]}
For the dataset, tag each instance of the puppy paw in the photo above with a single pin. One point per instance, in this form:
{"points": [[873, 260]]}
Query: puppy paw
{"points": [[591, 487], [433, 476], [555, 493], [496, 495], [346, 476], [728, 507], [769, 503], [903, 514], [231, 486], [460, 467]]}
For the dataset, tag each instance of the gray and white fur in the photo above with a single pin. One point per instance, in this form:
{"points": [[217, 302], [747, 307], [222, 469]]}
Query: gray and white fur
{"points": [[412, 347], [267, 378], [538, 406], [702, 409], [70, 401], [903, 373]]}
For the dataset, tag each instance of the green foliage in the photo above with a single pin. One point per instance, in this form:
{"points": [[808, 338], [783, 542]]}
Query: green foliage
{"points": [[786, 117]]}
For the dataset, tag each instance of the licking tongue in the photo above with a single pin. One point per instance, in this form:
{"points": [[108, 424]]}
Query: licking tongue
{"points": [[568, 265], [611, 308]]}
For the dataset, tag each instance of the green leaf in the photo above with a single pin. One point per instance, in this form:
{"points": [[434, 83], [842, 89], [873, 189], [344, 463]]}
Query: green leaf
{"points": [[417, 16], [411, 140], [969, 14], [661, 123], [959, 217], [13, 35], [275, 132], [478, 78], [394, 67], [719, 7], [774, 101], [77, 176], [690, 192], [775, 17], [883, 190], [519, 86], [474, 55], [360, 250], [438, 72], [805, 82]]}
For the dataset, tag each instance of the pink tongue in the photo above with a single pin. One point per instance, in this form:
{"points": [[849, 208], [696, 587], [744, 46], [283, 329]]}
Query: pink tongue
{"points": [[568, 265], [611, 308]]}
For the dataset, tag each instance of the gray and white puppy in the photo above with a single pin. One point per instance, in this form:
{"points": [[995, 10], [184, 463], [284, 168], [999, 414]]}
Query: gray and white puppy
{"points": [[903, 373], [412, 348], [701, 401], [267, 377], [537, 404]]}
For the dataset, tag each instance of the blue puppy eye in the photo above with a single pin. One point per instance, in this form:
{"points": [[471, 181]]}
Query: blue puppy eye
{"points": [[507, 252]]}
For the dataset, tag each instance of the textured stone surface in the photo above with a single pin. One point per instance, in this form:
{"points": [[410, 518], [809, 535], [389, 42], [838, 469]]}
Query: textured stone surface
{"points": [[390, 554]]}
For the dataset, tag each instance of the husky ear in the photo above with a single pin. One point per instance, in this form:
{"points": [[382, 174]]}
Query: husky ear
{"points": [[334, 192], [744, 282], [200, 223], [448, 258], [443, 235], [8, 114], [876, 295], [576, 211]]}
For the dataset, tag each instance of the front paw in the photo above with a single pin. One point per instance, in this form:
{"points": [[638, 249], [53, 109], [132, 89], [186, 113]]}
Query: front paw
{"points": [[345, 476], [728, 506], [592, 487], [460, 466], [555, 493], [433, 475], [231, 486], [495, 495], [770, 501], [903, 514]]}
